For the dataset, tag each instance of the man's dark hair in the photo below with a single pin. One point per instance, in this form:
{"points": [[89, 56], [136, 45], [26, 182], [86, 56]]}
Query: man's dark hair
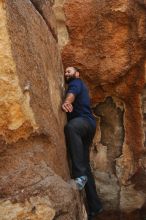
{"points": [[76, 69]]}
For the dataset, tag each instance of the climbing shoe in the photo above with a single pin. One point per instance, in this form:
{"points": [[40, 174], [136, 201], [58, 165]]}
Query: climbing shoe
{"points": [[81, 181]]}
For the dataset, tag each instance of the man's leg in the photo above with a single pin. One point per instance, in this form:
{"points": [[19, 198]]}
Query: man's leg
{"points": [[79, 134], [93, 200], [75, 131]]}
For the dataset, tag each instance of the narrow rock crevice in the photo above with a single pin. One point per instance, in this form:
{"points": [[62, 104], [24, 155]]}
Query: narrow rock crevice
{"points": [[112, 128], [39, 7]]}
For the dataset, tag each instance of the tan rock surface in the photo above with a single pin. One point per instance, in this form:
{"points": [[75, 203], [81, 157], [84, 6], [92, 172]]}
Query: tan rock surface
{"points": [[33, 160], [38, 69], [36, 209], [16, 112], [63, 36]]}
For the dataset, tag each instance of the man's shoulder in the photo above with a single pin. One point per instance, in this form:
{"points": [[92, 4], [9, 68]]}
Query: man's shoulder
{"points": [[76, 81]]}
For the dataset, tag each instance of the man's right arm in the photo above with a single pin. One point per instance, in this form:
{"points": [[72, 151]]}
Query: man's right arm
{"points": [[67, 105], [73, 90]]}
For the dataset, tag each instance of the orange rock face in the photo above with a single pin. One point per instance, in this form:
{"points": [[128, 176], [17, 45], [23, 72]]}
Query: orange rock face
{"points": [[107, 41], [103, 39]]}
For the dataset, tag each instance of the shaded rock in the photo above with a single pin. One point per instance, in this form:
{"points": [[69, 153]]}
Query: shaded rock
{"points": [[131, 199], [112, 131], [108, 190]]}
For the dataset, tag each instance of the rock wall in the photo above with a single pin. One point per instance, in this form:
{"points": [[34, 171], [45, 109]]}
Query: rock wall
{"points": [[107, 41], [33, 161]]}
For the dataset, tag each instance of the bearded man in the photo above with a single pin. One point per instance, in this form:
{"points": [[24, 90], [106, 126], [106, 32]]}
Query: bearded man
{"points": [[79, 132]]}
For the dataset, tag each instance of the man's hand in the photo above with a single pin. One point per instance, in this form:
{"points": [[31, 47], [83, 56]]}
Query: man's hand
{"points": [[67, 107]]}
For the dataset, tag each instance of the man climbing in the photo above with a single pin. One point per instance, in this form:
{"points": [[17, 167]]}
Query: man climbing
{"points": [[79, 133]]}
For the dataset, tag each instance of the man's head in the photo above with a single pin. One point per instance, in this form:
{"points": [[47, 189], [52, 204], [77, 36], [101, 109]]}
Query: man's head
{"points": [[71, 73]]}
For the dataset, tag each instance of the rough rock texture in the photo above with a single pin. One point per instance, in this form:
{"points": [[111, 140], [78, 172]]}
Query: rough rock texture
{"points": [[33, 161], [63, 37], [107, 40], [45, 9], [48, 198], [36, 208]]}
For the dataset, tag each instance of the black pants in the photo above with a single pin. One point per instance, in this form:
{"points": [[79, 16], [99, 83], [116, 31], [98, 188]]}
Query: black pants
{"points": [[79, 134]]}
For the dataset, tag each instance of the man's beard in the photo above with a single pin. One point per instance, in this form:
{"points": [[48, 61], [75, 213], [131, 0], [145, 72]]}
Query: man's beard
{"points": [[68, 80]]}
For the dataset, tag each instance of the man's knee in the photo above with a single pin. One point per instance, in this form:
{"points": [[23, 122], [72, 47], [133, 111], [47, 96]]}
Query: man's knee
{"points": [[68, 127], [72, 126]]}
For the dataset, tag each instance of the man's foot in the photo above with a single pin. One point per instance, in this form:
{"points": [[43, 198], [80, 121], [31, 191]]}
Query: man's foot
{"points": [[92, 215], [81, 181]]}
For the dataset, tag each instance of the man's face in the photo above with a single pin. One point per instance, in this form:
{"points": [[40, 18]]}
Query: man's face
{"points": [[70, 73]]}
